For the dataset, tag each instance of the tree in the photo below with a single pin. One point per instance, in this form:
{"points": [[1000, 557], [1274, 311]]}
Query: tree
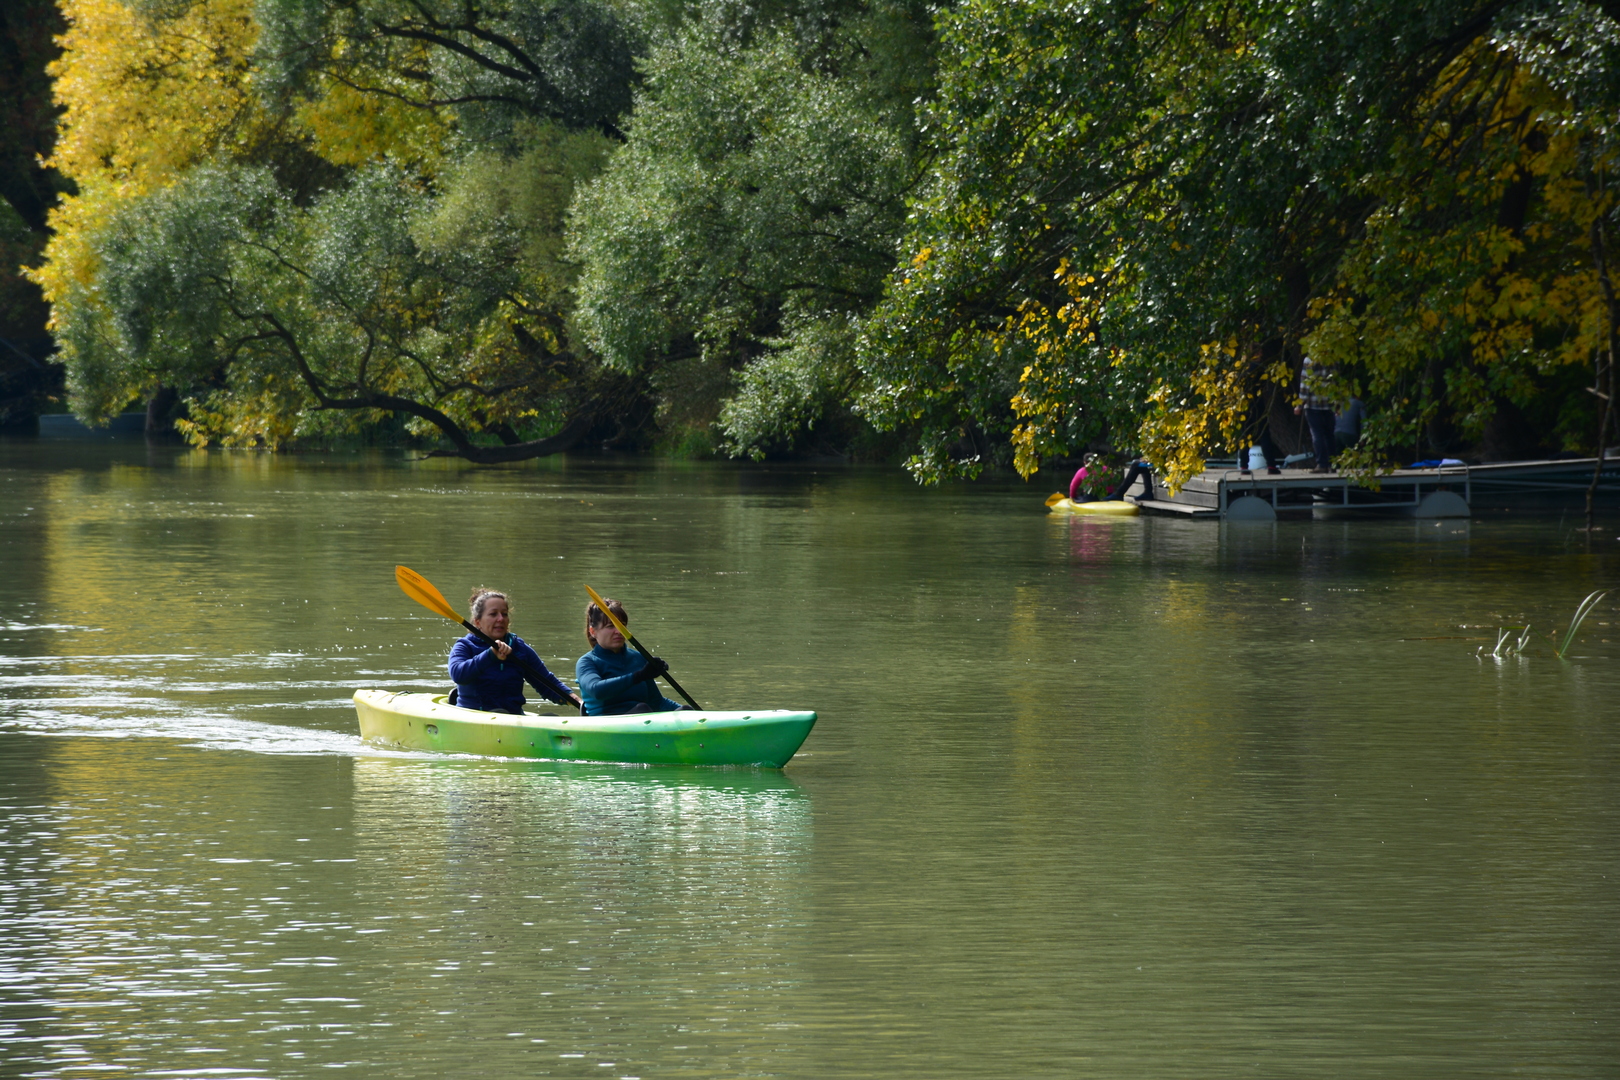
{"points": [[370, 300], [1000, 231], [568, 61], [1144, 215], [1477, 296], [329, 253], [732, 245]]}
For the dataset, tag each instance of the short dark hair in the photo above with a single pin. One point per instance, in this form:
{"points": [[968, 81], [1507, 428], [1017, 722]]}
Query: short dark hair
{"points": [[594, 616]]}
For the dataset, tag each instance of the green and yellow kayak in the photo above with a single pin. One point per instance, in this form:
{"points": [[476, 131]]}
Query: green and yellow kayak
{"points": [[1062, 504], [762, 737]]}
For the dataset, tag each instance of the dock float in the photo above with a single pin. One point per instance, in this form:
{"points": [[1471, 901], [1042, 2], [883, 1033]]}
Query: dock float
{"points": [[1449, 492]]}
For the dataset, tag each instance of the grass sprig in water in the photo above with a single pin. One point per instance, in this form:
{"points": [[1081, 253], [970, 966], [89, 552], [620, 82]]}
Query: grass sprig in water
{"points": [[1580, 616], [1506, 644]]}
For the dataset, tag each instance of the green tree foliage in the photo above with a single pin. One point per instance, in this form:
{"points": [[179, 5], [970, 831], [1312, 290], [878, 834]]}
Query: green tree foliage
{"points": [[569, 61], [323, 251], [1141, 215], [749, 222], [1474, 299], [370, 300], [1005, 231]]}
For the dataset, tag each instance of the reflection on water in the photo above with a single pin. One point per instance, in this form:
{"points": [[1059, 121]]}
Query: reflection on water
{"points": [[1132, 797], [166, 905]]}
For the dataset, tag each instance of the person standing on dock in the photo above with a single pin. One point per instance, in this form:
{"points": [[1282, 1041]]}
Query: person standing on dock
{"points": [[1318, 410]]}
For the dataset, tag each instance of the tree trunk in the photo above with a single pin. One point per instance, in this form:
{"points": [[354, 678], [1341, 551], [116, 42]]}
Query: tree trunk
{"points": [[1603, 360], [570, 435], [159, 407]]}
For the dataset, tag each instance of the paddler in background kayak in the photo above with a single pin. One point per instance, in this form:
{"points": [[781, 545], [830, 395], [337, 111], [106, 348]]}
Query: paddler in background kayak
{"points": [[1094, 480], [613, 679], [1090, 478], [489, 677]]}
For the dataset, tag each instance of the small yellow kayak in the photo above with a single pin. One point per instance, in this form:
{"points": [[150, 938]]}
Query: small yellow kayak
{"points": [[1061, 503]]}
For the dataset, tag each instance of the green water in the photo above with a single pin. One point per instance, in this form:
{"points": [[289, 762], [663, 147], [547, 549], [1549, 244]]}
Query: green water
{"points": [[1111, 798]]}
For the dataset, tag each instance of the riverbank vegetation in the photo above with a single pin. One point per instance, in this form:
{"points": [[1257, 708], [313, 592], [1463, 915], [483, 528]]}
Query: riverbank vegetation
{"points": [[965, 235], [30, 381]]}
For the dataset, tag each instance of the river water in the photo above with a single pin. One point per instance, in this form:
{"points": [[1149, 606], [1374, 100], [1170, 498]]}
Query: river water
{"points": [[1112, 798]]}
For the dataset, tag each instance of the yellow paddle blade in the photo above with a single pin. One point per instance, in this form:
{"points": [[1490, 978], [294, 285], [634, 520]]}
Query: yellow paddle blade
{"points": [[1055, 498], [612, 618], [421, 590]]}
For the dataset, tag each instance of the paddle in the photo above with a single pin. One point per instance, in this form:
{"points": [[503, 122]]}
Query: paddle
{"points": [[421, 590], [1055, 498], [642, 649]]}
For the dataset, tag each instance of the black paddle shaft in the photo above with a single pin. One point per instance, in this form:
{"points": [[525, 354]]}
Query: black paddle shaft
{"points": [[673, 685], [535, 675]]}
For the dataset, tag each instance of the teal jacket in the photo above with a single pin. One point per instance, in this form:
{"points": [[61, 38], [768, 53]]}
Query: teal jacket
{"points": [[605, 683]]}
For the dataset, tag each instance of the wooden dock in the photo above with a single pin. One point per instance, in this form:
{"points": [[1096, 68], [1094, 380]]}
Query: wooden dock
{"points": [[1234, 495]]}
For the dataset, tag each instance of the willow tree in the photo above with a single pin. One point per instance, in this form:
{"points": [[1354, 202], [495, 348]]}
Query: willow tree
{"points": [[731, 248], [1143, 216], [307, 217]]}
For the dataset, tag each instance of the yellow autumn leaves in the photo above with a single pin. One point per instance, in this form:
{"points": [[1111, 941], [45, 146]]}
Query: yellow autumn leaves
{"points": [[147, 97], [142, 100]]}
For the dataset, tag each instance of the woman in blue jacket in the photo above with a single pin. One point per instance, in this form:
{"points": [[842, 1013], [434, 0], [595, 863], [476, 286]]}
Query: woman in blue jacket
{"points": [[615, 680], [490, 677]]}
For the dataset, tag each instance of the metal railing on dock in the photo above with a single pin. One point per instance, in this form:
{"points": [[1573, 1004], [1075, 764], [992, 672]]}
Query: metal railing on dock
{"points": [[1436, 492]]}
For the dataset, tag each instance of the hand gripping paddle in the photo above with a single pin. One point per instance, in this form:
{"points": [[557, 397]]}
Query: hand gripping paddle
{"points": [[642, 649]]}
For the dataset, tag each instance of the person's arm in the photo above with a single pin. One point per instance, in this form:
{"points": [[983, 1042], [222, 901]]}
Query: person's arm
{"points": [[469, 662], [550, 687], [604, 687]]}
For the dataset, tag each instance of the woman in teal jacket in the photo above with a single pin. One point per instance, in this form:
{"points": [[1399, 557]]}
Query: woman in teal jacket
{"points": [[615, 680]]}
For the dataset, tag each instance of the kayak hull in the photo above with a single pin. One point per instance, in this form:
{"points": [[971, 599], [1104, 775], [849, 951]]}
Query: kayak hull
{"points": [[766, 738], [1103, 507]]}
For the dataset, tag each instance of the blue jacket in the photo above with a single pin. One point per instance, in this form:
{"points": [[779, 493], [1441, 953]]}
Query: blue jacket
{"points": [[492, 685], [605, 683]]}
